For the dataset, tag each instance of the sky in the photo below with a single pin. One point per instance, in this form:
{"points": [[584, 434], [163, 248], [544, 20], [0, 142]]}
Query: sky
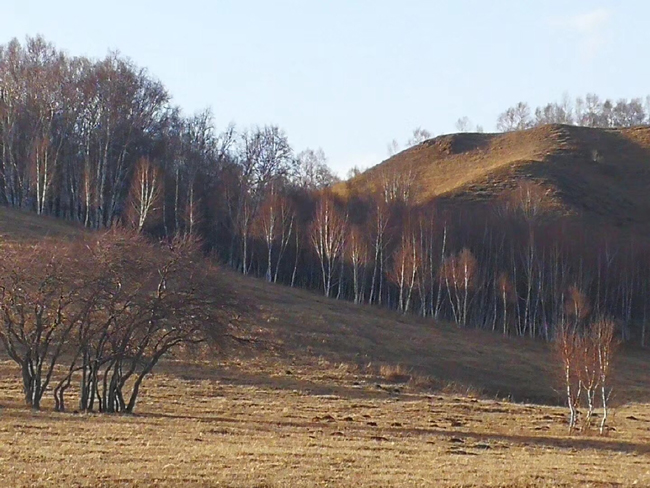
{"points": [[350, 76]]}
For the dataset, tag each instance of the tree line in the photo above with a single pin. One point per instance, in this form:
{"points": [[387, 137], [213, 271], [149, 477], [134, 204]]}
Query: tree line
{"points": [[77, 134], [588, 111]]}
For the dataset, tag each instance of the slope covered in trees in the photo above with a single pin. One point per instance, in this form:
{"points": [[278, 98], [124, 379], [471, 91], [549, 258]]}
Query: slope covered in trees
{"points": [[523, 232], [295, 326]]}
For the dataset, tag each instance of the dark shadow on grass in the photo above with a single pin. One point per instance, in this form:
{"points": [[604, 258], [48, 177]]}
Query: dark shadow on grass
{"points": [[584, 443], [530, 440]]}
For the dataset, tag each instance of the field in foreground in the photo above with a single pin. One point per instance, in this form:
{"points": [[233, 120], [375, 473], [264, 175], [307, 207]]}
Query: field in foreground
{"points": [[272, 423]]}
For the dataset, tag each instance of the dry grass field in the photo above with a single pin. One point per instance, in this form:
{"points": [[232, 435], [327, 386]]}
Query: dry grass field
{"points": [[333, 394], [272, 423]]}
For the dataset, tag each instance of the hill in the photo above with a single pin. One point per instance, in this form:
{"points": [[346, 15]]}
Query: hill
{"points": [[601, 175]]}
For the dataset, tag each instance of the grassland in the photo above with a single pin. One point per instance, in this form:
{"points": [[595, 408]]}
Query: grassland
{"points": [[272, 423], [333, 394]]}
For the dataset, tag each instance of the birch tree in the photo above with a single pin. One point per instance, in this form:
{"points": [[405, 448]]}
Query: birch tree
{"points": [[327, 237]]}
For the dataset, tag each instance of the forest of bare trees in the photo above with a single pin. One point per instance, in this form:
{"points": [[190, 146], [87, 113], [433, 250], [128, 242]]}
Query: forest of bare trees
{"points": [[99, 142]]}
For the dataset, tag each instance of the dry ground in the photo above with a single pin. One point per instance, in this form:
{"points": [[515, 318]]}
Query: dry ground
{"points": [[273, 423]]}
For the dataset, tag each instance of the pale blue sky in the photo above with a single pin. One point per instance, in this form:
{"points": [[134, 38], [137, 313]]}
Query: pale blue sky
{"points": [[351, 75]]}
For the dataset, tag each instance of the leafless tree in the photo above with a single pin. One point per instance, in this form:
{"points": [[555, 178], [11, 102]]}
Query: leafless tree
{"points": [[459, 272], [392, 148], [515, 118], [108, 308], [145, 192], [586, 356], [406, 266], [418, 136], [464, 124], [327, 236], [275, 225], [568, 346], [397, 185], [357, 252], [43, 297], [312, 172]]}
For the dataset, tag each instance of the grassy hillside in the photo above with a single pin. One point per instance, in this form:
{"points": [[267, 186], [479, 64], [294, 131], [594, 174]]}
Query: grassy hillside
{"points": [[594, 173], [18, 225], [301, 324]]}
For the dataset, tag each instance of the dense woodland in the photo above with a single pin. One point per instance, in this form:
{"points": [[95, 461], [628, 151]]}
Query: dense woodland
{"points": [[100, 143]]}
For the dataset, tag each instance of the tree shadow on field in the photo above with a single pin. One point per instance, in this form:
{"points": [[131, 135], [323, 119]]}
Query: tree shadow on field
{"points": [[542, 441], [363, 430], [504, 378], [286, 379]]}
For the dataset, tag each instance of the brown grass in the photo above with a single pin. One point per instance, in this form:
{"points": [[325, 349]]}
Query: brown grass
{"points": [[599, 174], [394, 373], [23, 225], [294, 323], [277, 423]]}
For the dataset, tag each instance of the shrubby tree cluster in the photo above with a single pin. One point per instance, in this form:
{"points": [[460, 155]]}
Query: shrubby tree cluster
{"points": [[97, 314], [586, 352]]}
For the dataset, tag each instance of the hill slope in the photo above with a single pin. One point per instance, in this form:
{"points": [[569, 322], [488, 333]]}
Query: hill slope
{"points": [[19, 225], [588, 172], [295, 326]]}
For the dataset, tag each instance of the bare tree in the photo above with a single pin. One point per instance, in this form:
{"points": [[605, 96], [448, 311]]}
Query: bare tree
{"points": [[45, 292], [145, 192], [418, 136], [603, 333], [392, 148], [568, 346], [264, 157], [275, 225], [327, 236], [515, 118], [397, 185], [553, 113], [464, 124], [312, 172], [459, 272], [406, 266], [357, 253], [109, 308], [586, 356]]}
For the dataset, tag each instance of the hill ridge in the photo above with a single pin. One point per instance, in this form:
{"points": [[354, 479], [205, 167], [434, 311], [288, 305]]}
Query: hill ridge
{"points": [[592, 172]]}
